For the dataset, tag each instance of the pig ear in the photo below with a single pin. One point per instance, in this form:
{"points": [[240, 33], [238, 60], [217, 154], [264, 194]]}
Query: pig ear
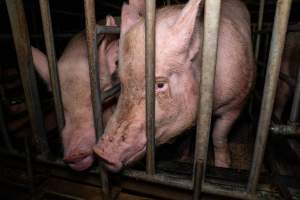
{"points": [[184, 26], [40, 62], [130, 15]]}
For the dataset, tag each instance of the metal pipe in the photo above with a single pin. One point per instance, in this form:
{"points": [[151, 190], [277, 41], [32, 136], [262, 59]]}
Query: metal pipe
{"points": [[232, 192], [272, 75], [107, 29], [53, 70], [22, 43], [91, 37], [4, 132], [29, 164], [209, 58], [295, 111], [150, 84], [197, 180], [259, 26], [285, 130]]}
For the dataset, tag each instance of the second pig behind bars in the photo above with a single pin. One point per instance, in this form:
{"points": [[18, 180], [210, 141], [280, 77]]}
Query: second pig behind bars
{"points": [[179, 33]]}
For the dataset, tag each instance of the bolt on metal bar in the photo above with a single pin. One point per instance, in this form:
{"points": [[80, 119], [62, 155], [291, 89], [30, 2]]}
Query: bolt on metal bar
{"points": [[272, 75], [259, 26], [285, 130], [209, 59], [150, 83], [91, 37], [5, 136], [22, 43], [49, 41]]}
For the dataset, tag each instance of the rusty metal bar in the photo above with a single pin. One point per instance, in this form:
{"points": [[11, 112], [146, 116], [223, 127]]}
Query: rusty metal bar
{"points": [[232, 192], [91, 37], [259, 26], [150, 84], [210, 44], [22, 43], [107, 29], [5, 135], [53, 70], [272, 75]]}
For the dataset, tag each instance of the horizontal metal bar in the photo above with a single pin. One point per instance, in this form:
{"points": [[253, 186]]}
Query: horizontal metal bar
{"points": [[285, 130], [107, 29], [53, 70], [19, 28], [272, 75], [150, 84], [188, 184]]}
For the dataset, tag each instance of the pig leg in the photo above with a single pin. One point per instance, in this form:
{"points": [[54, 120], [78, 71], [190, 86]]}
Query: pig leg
{"points": [[221, 129]]}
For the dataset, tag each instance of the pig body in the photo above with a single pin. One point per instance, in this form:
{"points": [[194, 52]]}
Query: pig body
{"points": [[289, 67], [79, 134], [179, 32]]}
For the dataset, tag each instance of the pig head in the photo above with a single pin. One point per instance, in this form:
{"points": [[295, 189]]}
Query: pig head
{"points": [[179, 32], [78, 133]]}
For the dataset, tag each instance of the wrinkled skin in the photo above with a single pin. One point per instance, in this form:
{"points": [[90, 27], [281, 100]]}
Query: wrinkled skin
{"points": [[178, 60], [79, 133], [289, 67]]}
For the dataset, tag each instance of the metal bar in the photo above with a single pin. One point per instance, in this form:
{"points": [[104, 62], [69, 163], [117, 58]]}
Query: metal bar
{"points": [[285, 130], [150, 84], [90, 20], [210, 45], [259, 26], [54, 77], [29, 165], [272, 75], [197, 181], [21, 39], [107, 29], [233, 192], [4, 131], [294, 116]]}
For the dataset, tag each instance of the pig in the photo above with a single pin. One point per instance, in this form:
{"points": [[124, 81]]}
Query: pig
{"points": [[289, 67], [78, 134], [179, 33]]}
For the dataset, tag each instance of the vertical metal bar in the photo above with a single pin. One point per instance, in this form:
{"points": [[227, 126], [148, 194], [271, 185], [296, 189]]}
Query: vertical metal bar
{"points": [[273, 68], [259, 26], [22, 43], [4, 132], [49, 41], [29, 165], [197, 180], [90, 20], [209, 59], [150, 83], [294, 116]]}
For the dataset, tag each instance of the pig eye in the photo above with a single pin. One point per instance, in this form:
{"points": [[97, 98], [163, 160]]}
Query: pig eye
{"points": [[161, 86]]}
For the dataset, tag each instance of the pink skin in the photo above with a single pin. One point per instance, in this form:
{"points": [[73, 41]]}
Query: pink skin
{"points": [[79, 134], [289, 67], [178, 60]]}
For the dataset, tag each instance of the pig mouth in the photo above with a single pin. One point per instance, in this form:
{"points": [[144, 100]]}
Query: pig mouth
{"points": [[81, 164], [136, 156]]}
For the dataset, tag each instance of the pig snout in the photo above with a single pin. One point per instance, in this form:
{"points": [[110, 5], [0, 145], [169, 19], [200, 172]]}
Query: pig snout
{"points": [[121, 149], [78, 148]]}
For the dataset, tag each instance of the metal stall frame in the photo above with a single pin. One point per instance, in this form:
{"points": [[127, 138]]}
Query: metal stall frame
{"points": [[211, 23]]}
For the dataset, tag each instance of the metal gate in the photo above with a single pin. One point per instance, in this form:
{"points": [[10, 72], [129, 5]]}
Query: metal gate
{"points": [[211, 24]]}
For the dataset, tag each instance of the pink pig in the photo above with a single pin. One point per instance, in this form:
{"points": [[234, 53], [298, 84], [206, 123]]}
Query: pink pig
{"points": [[179, 31], [79, 133]]}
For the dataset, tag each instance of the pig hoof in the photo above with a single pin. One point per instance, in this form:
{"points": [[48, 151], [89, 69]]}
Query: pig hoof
{"points": [[222, 158]]}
